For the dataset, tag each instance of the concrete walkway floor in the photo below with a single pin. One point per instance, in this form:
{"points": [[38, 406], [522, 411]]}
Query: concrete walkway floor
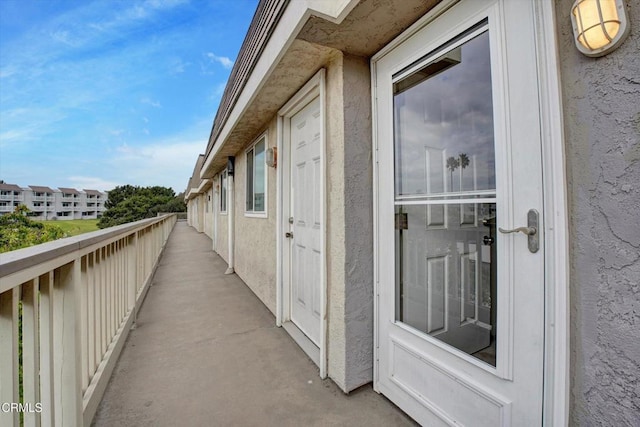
{"points": [[206, 352]]}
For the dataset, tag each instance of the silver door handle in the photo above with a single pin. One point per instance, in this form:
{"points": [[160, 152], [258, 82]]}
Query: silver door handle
{"points": [[529, 231]]}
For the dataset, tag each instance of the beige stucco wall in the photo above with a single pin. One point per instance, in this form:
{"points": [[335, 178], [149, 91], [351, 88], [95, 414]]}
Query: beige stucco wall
{"points": [[255, 249], [335, 221], [201, 208], [349, 222]]}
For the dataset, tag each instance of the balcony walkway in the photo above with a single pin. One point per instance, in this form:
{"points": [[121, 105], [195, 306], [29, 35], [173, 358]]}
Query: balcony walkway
{"points": [[206, 352]]}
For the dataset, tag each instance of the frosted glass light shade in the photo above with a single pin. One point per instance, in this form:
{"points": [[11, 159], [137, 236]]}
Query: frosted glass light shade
{"points": [[599, 26]]}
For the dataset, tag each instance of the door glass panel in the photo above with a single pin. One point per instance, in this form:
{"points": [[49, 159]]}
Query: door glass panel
{"points": [[445, 198]]}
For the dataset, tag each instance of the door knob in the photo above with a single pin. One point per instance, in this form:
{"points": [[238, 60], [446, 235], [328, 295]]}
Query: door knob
{"points": [[288, 235], [531, 231]]}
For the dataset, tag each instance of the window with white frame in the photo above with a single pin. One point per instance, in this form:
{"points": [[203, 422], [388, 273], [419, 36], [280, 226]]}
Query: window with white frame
{"points": [[223, 191], [256, 178]]}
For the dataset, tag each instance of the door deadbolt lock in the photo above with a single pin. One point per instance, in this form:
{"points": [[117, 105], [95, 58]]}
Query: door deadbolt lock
{"points": [[531, 231], [288, 235]]}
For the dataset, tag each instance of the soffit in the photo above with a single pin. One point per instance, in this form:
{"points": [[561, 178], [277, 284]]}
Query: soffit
{"points": [[370, 26], [301, 61]]}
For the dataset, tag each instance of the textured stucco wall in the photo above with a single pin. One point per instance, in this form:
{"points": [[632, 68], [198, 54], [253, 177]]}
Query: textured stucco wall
{"points": [[349, 222], [601, 99], [255, 249], [358, 222], [335, 221], [201, 206]]}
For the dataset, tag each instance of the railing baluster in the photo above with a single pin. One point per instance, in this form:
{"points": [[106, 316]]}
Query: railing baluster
{"points": [[113, 297], [132, 259], [46, 349], [91, 316], [109, 294], [84, 324], [121, 280], [103, 303], [9, 355], [30, 352], [66, 345]]}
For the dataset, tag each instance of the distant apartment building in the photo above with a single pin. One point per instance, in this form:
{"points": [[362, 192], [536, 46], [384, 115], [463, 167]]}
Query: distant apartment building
{"points": [[46, 203]]}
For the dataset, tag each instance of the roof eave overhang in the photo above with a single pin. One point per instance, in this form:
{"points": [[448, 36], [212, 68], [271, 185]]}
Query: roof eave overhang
{"points": [[276, 46]]}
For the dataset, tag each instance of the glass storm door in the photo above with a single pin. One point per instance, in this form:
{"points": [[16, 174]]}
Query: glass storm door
{"points": [[460, 313]]}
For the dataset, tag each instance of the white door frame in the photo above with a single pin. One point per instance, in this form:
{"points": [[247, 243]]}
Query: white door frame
{"points": [[315, 87], [216, 194], [556, 347]]}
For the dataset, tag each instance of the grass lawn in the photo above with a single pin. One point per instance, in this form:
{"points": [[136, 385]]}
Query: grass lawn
{"points": [[75, 226]]}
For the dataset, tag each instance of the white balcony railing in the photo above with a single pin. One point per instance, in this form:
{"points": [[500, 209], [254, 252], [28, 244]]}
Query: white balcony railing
{"points": [[79, 298], [12, 197]]}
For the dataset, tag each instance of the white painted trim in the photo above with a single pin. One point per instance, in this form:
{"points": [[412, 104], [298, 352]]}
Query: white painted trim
{"points": [[556, 377], [216, 197], [556, 385], [376, 225], [279, 226], [231, 222], [315, 87], [265, 213]]}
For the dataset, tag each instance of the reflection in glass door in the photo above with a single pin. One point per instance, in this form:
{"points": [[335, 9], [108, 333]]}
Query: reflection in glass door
{"points": [[445, 196]]}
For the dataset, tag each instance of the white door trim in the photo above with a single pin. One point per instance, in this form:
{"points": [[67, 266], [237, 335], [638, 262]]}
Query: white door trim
{"points": [[556, 349], [556, 384], [315, 87]]}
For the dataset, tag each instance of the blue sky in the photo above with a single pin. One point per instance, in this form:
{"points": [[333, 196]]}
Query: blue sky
{"points": [[95, 94]]}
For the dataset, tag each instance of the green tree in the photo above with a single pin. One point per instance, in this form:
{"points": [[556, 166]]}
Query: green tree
{"points": [[452, 164], [18, 231], [130, 203], [464, 162]]}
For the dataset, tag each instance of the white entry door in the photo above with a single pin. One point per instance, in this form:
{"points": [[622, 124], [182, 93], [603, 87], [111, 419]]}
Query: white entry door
{"points": [[460, 313], [305, 220]]}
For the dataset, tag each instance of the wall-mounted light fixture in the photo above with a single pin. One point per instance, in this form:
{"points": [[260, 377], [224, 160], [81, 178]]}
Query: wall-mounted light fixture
{"points": [[272, 157], [599, 26]]}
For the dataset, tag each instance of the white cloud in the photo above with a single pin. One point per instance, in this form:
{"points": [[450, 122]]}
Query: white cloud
{"points": [[7, 71], [62, 37], [223, 60], [149, 101], [168, 163], [177, 66], [92, 183]]}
